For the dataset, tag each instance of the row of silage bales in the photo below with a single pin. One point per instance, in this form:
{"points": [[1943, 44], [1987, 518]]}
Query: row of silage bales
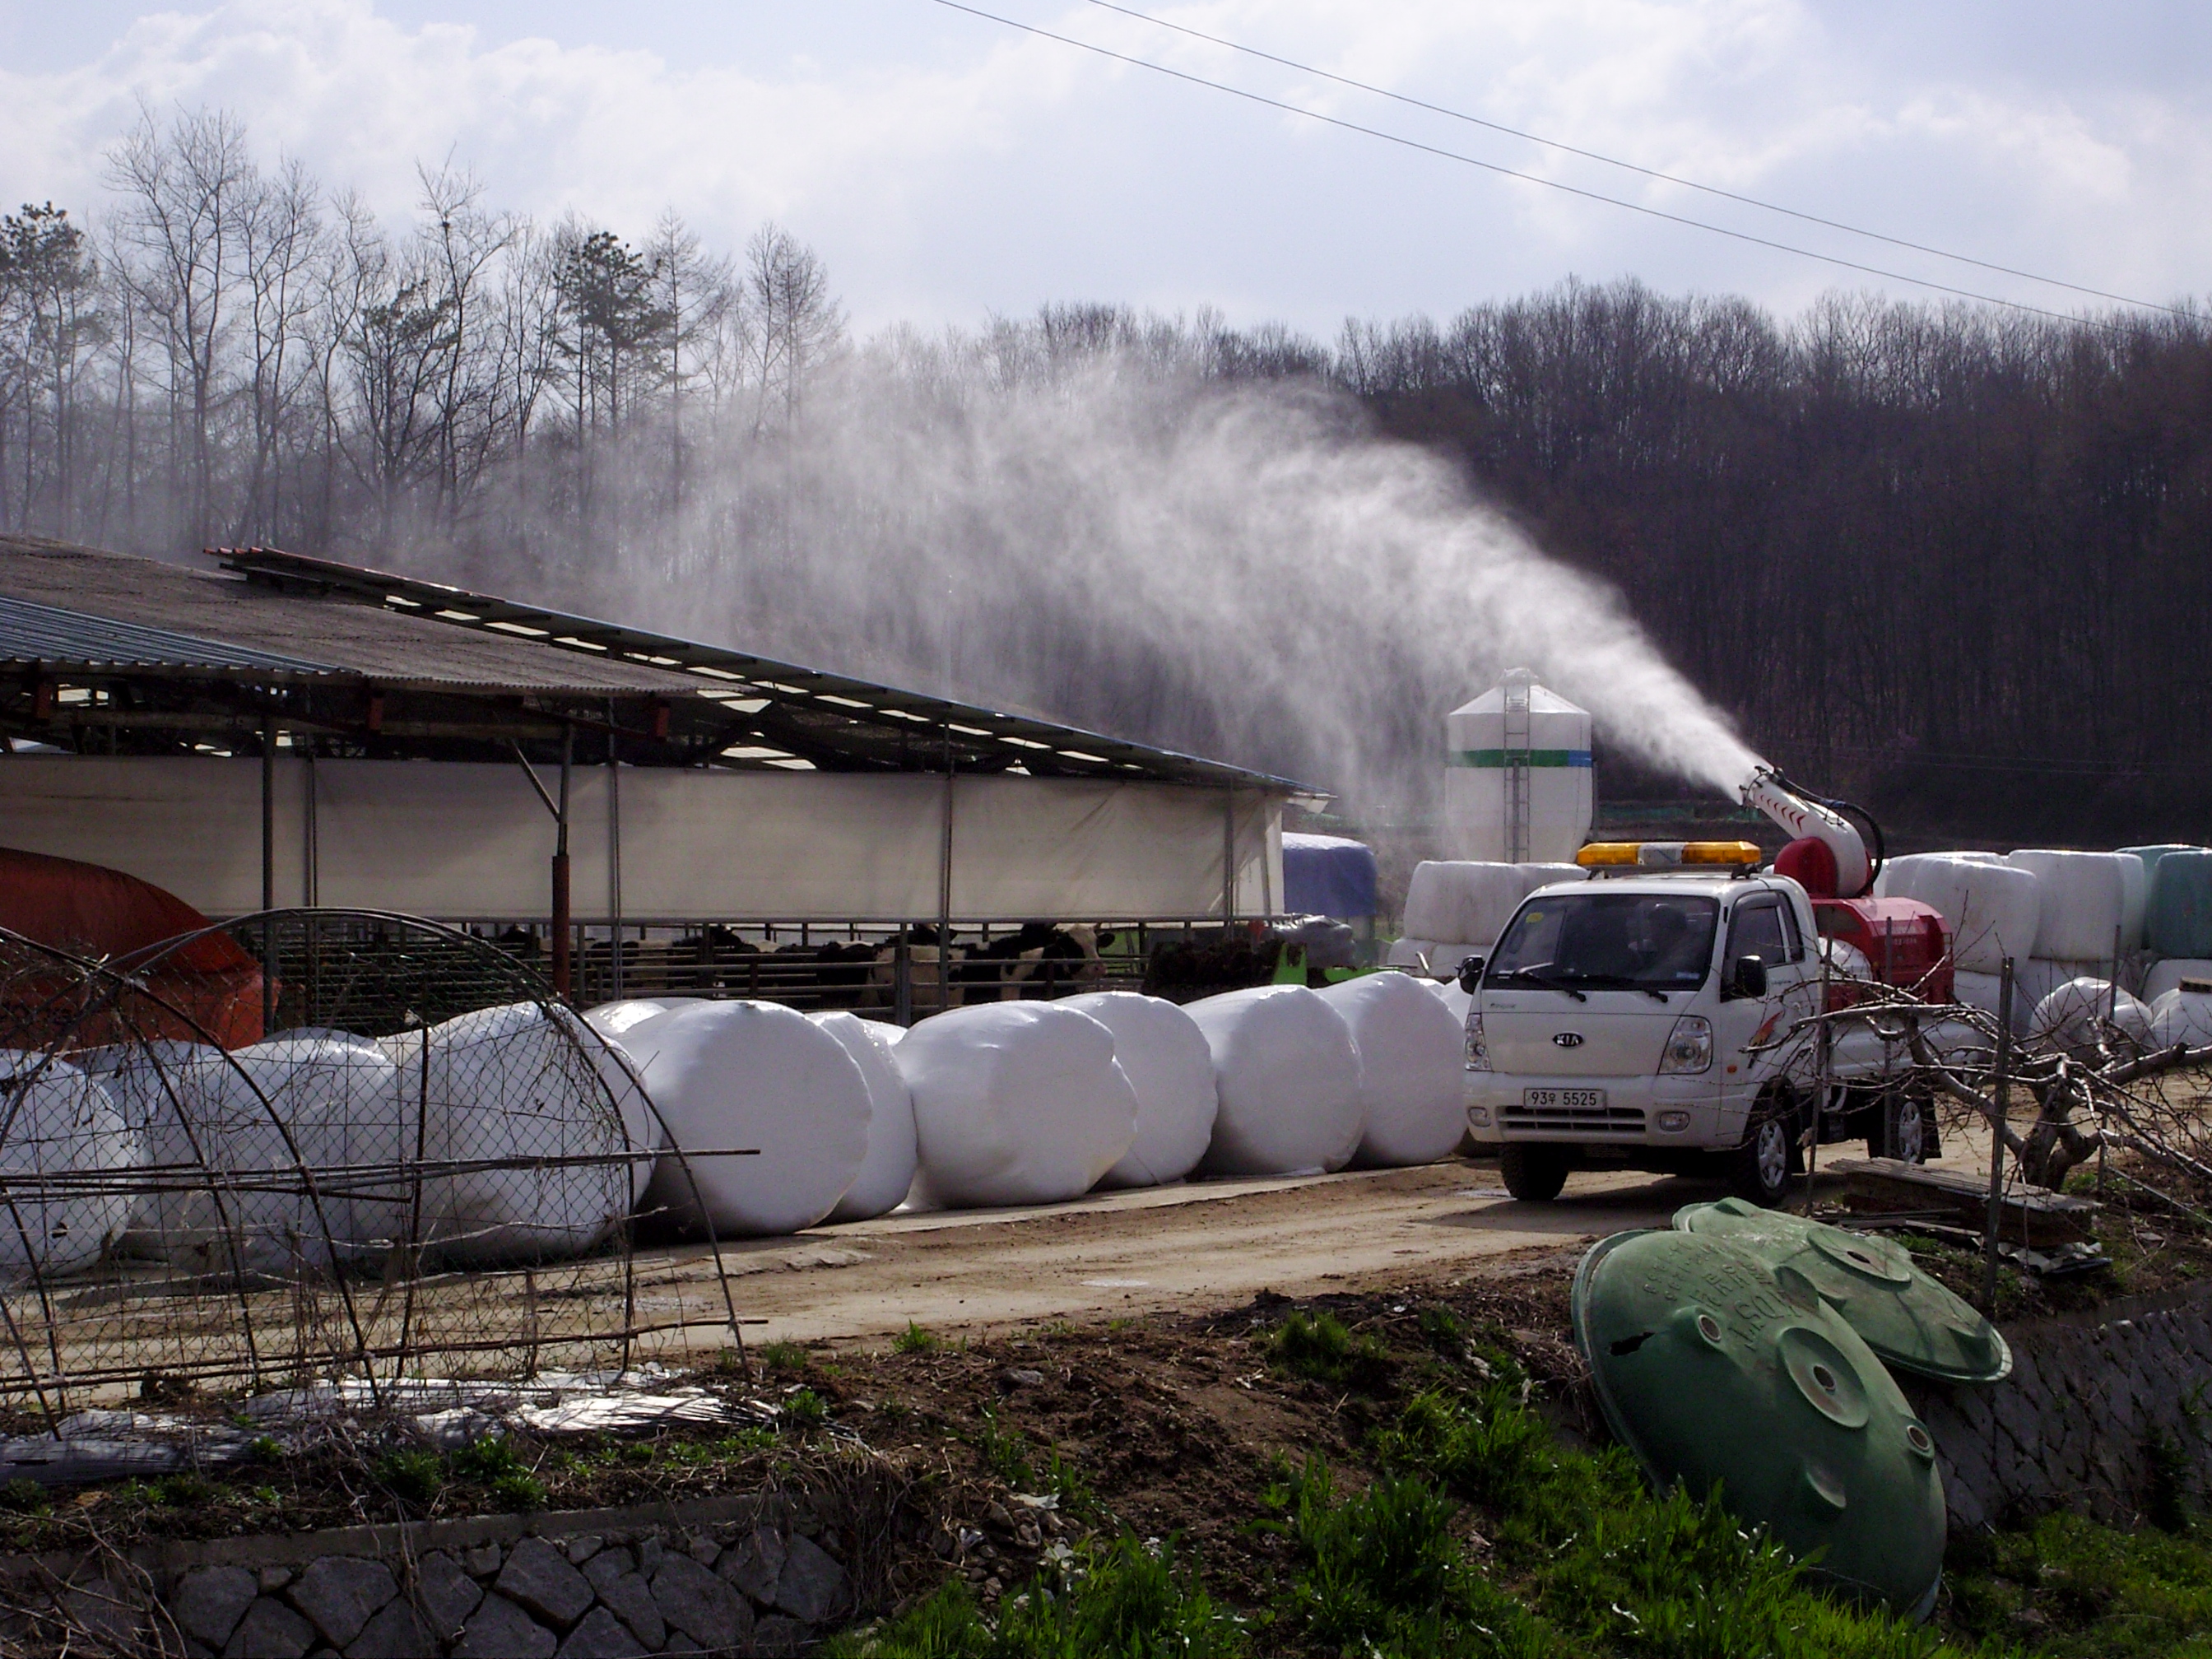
{"points": [[59, 1120], [1456, 908]]}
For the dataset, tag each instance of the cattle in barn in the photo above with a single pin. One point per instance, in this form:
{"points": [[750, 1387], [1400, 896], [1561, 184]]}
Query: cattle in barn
{"points": [[1041, 960], [841, 971], [926, 972]]}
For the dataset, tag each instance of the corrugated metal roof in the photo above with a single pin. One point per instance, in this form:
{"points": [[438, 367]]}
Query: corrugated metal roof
{"points": [[47, 634], [384, 649]]}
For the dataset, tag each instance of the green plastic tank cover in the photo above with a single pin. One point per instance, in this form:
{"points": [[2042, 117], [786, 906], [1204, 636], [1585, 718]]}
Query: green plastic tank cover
{"points": [[1906, 1317], [1713, 1368]]}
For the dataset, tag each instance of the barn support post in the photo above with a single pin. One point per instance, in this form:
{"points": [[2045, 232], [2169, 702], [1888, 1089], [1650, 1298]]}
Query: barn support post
{"points": [[944, 890], [614, 850], [1229, 857], [311, 875], [2003, 1090], [268, 871], [563, 963]]}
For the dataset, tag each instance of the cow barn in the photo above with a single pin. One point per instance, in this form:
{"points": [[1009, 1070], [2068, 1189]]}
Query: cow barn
{"points": [[268, 731]]}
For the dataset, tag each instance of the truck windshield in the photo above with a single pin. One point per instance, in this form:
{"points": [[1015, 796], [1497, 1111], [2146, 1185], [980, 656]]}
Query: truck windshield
{"points": [[1606, 941]]}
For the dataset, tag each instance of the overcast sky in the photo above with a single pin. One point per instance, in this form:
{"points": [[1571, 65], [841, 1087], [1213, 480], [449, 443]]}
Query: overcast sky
{"points": [[947, 166]]}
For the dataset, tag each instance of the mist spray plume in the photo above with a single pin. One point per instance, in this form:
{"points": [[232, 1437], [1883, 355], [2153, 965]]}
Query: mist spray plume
{"points": [[1241, 568]]}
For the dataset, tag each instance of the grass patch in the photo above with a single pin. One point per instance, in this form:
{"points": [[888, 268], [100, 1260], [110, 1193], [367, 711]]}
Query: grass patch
{"points": [[1317, 1346], [1121, 1601], [781, 1357], [804, 1410], [915, 1340], [2074, 1590], [495, 1465], [412, 1477]]}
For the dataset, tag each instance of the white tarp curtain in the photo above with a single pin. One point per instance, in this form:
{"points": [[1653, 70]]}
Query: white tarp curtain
{"points": [[471, 842]]}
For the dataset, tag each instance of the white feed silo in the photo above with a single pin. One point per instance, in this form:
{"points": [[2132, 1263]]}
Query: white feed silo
{"points": [[1517, 775]]}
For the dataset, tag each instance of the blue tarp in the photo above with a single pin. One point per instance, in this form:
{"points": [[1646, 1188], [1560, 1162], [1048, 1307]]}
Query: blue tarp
{"points": [[1328, 876]]}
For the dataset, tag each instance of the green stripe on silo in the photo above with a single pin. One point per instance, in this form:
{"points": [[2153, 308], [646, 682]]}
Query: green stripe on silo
{"points": [[1495, 759]]}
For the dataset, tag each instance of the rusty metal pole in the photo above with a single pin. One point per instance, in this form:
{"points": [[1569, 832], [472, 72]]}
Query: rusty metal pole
{"points": [[561, 922], [1996, 1138]]}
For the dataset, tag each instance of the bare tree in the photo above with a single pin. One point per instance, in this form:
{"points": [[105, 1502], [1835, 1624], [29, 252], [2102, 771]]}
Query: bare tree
{"points": [[798, 323]]}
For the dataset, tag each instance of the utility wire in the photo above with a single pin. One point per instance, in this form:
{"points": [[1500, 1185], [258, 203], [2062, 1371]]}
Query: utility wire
{"points": [[1443, 154], [1631, 167]]}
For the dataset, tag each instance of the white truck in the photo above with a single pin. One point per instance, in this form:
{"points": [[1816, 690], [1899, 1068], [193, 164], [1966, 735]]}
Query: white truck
{"points": [[1630, 1021]]}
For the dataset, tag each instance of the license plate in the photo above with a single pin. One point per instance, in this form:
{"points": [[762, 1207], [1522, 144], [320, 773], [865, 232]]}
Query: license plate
{"points": [[1564, 1100]]}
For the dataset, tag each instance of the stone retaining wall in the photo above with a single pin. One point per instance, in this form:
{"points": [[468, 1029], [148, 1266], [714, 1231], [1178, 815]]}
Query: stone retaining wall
{"points": [[2093, 1408], [721, 1577]]}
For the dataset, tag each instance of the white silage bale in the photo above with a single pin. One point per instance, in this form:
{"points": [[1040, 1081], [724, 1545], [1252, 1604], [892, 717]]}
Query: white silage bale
{"points": [[507, 1085], [1983, 991], [1456, 1002], [1414, 953], [736, 1074], [1164, 1054], [1463, 901], [625, 1084], [2074, 1015], [888, 1165], [2168, 976], [1412, 1079], [1015, 1103], [1288, 1072], [57, 1119], [614, 1020], [2184, 1016], [2039, 977], [2083, 899], [1995, 909], [141, 1079]]}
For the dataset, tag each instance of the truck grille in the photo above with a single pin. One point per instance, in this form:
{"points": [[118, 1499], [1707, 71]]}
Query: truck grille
{"points": [[1575, 1119]]}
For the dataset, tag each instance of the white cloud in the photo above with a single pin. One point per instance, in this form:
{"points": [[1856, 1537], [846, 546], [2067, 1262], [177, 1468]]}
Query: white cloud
{"points": [[993, 169]]}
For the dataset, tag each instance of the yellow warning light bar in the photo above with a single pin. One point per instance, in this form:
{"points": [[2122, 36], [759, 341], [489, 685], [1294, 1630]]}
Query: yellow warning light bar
{"points": [[1601, 854], [1669, 854]]}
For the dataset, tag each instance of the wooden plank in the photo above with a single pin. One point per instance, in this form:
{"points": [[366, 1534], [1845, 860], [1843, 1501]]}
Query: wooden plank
{"points": [[1877, 1186]]}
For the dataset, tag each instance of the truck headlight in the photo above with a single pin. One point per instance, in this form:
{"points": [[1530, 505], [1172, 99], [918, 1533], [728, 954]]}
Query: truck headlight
{"points": [[1477, 1050], [1689, 1047]]}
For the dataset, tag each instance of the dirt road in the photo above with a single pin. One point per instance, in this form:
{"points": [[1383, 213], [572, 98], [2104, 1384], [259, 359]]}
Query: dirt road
{"points": [[1203, 1245]]}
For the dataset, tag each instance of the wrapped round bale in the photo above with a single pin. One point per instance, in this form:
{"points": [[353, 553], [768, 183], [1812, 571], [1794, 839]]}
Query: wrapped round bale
{"points": [[2184, 1016], [2178, 915], [55, 1119], [1288, 1073], [2168, 975], [613, 1019], [1463, 900], [2075, 1014], [1015, 1103], [1443, 957], [144, 1081], [515, 1083], [2084, 899], [1164, 1054], [1412, 1076], [735, 1074], [1533, 876], [1994, 910], [888, 1165]]}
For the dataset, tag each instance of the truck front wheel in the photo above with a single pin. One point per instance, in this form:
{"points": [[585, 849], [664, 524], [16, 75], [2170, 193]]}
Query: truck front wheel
{"points": [[1904, 1129], [1533, 1174], [1759, 1169]]}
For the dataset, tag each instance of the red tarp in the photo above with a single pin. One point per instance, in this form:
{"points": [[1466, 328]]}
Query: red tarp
{"points": [[103, 915]]}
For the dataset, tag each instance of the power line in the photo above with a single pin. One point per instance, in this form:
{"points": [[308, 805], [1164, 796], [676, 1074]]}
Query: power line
{"points": [[1443, 154], [1631, 167]]}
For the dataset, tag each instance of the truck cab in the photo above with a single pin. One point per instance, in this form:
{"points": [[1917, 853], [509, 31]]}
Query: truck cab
{"points": [[1626, 1022]]}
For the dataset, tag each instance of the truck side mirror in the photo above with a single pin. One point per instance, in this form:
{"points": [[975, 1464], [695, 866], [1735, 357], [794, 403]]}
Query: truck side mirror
{"points": [[1747, 978], [1470, 973]]}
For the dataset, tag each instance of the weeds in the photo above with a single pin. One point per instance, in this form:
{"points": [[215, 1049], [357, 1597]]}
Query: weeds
{"points": [[781, 1357], [915, 1340], [495, 1465], [1318, 1347], [2087, 1591], [412, 1477], [804, 1410], [1123, 1600]]}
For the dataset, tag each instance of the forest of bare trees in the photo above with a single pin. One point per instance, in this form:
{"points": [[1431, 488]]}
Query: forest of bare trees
{"points": [[1957, 559]]}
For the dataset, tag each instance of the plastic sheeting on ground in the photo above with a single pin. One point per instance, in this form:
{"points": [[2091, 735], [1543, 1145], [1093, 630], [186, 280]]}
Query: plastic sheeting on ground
{"points": [[2087, 903], [2168, 976], [732, 1075], [1994, 908], [2074, 1015], [2178, 915], [1411, 1081], [2183, 1017], [887, 1167], [60, 1121], [1288, 1073], [1015, 1103], [1163, 1053]]}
